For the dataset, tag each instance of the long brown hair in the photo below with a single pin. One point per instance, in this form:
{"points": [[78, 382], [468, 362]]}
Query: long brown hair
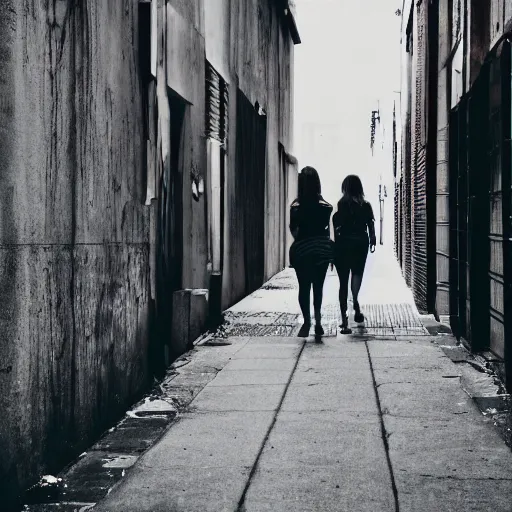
{"points": [[352, 189], [310, 188]]}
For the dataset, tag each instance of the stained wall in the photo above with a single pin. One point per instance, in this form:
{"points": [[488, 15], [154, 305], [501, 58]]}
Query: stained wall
{"points": [[255, 54], [78, 234], [74, 231]]}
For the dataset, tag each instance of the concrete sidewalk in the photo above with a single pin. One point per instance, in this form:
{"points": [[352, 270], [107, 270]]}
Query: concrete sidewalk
{"points": [[354, 423]]}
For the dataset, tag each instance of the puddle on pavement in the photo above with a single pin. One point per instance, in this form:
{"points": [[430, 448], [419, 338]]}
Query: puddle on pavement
{"points": [[153, 407], [120, 462]]}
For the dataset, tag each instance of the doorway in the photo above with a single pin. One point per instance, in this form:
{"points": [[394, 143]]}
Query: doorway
{"points": [[251, 149], [169, 251]]}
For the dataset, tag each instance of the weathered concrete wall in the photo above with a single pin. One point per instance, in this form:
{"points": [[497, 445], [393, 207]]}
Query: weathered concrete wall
{"points": [[73, 229], [479, 37], [500, 19], [186, 76], [259, 54], [218, 35], [78, 244]]}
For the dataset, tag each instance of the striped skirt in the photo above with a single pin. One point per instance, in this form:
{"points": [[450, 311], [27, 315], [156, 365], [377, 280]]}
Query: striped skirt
{"points": [[312, 251]]}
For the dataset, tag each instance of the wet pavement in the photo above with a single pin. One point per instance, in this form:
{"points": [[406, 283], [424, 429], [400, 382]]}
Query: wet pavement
{"points": [[396, 416]]}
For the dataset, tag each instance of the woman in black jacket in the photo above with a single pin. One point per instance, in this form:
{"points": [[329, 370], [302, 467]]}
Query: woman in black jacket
{"points": [[354, 231], [312, 250]]}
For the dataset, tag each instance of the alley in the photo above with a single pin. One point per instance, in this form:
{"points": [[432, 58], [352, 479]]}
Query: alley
{"points": [[154, 156], [374, 421]]}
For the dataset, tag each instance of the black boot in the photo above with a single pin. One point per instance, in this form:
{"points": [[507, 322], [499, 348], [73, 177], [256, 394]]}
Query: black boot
{"points": [[304, 330], [358, 316], [319, 330], [344, 328]]}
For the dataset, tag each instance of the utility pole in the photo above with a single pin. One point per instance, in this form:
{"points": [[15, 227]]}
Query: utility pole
{"points": [[377, 136]]}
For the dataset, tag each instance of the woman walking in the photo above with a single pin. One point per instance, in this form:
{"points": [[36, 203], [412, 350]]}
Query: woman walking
{"points": [[354, 230], [312, 250]]}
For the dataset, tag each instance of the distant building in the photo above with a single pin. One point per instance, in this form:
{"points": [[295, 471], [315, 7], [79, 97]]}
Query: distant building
{"points": [[455, 200], [382, 185], [145, 179]]}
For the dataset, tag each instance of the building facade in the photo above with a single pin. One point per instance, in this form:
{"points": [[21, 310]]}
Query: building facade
{"points": [[414, 199], [455, 175], [145, 156]]}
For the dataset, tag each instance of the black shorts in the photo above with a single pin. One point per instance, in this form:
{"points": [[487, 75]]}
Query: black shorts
{"points": [[350, 255]]}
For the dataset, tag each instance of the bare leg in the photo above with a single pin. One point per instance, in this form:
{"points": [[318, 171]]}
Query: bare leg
{"points": [[355, 286], [318, 290], [360, 255], [304, 278], [343, 276]]}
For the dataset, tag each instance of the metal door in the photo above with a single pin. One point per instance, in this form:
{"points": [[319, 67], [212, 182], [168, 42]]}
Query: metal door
{"points": [[507, 206], [453, 221], [497, 150], [478, 213], [462, 217], [251, 128]]}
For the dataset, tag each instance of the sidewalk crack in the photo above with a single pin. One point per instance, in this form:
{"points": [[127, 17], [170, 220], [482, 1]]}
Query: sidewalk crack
{"points": [[384, 433], [241, 502]]}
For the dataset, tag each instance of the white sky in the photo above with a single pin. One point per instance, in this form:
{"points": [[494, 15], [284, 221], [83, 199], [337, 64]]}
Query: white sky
{"points": [[349, 60]]}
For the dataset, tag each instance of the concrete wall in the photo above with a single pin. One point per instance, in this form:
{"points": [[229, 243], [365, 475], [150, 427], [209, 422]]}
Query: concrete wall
{"points": [[250, 45], [185, 71], [79, 202], [73, 230]]}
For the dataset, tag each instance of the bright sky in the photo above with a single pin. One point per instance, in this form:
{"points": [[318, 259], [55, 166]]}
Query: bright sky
{"points": [[349, 60]]}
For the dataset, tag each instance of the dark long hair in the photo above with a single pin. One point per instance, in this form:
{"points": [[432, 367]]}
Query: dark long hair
{"points": [[309, 185], [352, 189]]}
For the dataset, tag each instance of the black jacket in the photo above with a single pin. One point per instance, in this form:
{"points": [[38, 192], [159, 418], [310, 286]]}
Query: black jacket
{"points": [[310, 219], [354, 221]]}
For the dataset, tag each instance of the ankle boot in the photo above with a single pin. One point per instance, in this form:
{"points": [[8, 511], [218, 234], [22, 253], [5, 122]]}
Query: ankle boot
{"points": [[304, 330], [358, 316], [344, 329]]}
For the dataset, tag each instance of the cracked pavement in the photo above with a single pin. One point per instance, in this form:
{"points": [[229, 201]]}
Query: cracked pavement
{"points": [[361, 422]]}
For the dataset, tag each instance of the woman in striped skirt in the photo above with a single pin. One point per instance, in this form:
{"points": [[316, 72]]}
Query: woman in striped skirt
{"points": [[312, 250]]}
